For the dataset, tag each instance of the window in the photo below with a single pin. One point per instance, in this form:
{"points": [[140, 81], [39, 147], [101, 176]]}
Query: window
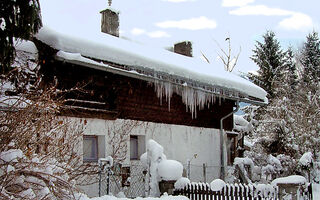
{"points": [[231, 146], [137, 146], [93, 148], [90, 148]]}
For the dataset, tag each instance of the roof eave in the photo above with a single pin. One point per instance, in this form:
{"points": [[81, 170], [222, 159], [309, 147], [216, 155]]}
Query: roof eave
{"points": [[147, 78]]}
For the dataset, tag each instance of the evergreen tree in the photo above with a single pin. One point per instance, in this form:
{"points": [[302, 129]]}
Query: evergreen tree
{"points": [[311, 58], [290, 67], [270, 58], [289, 124], [18, 19]]}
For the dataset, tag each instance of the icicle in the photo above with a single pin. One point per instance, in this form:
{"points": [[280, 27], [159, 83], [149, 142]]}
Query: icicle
{"points": [[194, 99]]}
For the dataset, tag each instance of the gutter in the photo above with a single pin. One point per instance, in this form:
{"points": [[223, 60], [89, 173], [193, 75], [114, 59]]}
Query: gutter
{"points": [[222, 156]]}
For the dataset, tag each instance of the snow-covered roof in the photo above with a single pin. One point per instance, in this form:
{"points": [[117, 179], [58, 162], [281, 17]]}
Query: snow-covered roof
{"points": [[151, 62]]}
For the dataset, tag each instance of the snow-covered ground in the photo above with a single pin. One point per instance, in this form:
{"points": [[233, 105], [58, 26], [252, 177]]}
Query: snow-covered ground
{"points": [[107, 197]]}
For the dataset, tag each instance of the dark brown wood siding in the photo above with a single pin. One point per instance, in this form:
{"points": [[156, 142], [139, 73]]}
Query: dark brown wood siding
{"points": [[128, 98]]}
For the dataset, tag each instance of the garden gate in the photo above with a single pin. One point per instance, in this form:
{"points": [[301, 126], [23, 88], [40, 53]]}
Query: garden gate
{"points": [[130, 180]]}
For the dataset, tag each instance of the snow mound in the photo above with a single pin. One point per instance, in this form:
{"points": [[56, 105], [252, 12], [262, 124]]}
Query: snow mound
{"points": [[294, 179], [306, 159], [11, 155], [169, 170], [155, 151], [181, 183], [243, 161], [217, 185], [144, 160]]}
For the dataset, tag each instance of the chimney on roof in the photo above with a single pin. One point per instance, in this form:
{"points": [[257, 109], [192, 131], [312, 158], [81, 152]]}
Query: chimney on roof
{"points": [[110, 21], [183, 48]]}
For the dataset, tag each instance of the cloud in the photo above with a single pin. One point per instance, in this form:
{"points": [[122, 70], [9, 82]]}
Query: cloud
{"points": [[293, 20], [178, 1], [158, 34], [137, 31], [190, 24], [298, 21], [260, 10], [236, 3], [152, 34]]}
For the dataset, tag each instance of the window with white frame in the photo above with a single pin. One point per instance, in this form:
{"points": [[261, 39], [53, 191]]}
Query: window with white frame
{"points": [[93, 148], [137, 146]]}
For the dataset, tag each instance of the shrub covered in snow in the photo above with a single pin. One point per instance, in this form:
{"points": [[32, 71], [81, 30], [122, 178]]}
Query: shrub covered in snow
{"points": [[181, 183], [169, 170], [159, 167]]}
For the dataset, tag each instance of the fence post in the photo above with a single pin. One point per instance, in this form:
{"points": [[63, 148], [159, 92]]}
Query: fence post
{"points": [[100, 177], [204, 173], [189, 168]]}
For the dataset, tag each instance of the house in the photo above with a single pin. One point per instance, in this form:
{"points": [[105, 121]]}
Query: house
{"points": [[128, 93]]}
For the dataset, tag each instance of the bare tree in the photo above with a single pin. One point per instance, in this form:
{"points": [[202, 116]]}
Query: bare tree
{"points": [[229, 61]]}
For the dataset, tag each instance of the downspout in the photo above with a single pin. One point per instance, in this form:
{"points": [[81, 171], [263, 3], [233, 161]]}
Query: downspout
{"points": [[222, 171]]}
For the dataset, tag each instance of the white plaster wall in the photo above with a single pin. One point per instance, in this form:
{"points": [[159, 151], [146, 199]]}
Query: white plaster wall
{"points": [[183, 143], [180, 143]]}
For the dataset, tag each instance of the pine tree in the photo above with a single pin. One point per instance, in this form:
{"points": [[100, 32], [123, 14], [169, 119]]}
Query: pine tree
{"points": [[289, 124], [18, 19], [311, 58], [291, 67], [270, 58]]}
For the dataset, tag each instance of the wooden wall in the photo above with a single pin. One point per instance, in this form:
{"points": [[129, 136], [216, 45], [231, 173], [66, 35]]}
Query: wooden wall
{"points": [[127, 98]]}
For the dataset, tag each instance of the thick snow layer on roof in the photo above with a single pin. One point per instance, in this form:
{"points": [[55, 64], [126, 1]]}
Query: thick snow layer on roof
{"points": [[109, 48]]}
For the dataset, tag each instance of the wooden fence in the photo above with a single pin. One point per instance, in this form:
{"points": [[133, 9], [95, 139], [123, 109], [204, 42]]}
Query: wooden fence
{"points": [[202, 191]]}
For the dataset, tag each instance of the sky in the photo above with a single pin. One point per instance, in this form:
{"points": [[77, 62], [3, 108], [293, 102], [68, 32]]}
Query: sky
{"points": [[207, 23]]}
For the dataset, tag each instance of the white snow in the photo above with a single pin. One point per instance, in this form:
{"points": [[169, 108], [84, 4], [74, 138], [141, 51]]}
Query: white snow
{"points": [[294, 179], [26, 46], [144, 160], [245, 161], [2, 24], [170, 170], [157, 61], [181, 183], [217, 185], [155, 156], [11, 155], [108, 161], [160, 168], [107, 197], [306, 159]]}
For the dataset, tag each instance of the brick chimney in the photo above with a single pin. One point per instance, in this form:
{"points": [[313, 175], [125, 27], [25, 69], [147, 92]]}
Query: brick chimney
{"points": [[183, 48], [110, 22]]}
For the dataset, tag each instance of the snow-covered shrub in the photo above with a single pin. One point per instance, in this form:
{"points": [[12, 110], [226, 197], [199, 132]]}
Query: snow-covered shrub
{"points": [[169, 170], [309, 167], [159, 167], [181, 183], [38, 157], [273, 168]]}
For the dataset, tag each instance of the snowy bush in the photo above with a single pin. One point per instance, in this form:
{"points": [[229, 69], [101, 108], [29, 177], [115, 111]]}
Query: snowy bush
{"points": [[39, 156], [181, 183], [159, 167]]}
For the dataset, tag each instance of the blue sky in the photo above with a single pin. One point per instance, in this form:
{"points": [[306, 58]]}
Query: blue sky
{"points": [[161, 23]]}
